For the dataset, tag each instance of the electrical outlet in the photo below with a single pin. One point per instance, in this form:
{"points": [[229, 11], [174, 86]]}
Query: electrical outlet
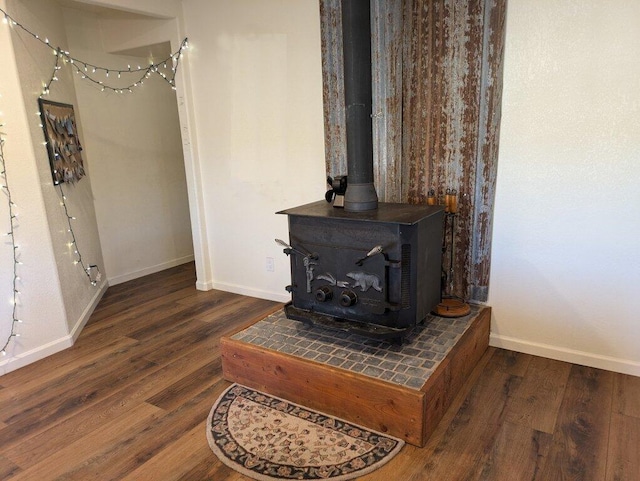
{"points": [[270, 264]]}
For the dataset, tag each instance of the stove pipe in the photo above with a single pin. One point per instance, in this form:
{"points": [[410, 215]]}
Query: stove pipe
{"points": [[356, 40]]}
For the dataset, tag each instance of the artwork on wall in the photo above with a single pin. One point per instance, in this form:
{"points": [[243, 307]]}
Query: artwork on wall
{"points": [[63, 142]]}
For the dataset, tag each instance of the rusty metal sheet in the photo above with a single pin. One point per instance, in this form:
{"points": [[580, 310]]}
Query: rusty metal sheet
{"points": [[386, 57], [437, 96], [452, 85], [333, 88], [488, 143]]}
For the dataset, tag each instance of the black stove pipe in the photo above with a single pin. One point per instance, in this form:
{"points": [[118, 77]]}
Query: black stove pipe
{"points": [[356, 40]]}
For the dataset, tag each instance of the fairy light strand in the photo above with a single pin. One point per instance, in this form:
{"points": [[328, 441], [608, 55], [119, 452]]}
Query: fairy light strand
{"points": [[166, 69], [83, 69], [91, 270], [89, 71], [54, 76], [4, 186]]}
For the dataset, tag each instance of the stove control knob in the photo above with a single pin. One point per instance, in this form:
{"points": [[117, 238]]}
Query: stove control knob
{"points": [[348, 298], [324, 294]]}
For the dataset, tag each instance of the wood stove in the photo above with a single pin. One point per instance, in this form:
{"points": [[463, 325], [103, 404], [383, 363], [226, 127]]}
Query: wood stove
{"points": [[376, 272], [370, 267]]}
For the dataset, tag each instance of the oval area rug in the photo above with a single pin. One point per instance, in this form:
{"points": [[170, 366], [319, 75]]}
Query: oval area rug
{"points": [[268, 438]]}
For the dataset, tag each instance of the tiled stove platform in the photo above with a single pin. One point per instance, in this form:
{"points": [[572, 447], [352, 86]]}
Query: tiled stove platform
{"points": [[400, 389], [407, 365]]}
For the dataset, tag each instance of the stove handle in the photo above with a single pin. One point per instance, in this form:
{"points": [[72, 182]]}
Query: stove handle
{"points": [[288, 250], [392, 306], [376, 250]]}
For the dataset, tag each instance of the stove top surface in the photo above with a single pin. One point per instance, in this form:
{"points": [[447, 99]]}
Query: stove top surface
{"points": [[407, 214]]}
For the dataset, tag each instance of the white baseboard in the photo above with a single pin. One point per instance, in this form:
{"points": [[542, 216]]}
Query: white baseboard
{"points": [[204, 286], [246, 291], [559, 353], [86, 314], [65, 342], [28, 357], [149, 270]]}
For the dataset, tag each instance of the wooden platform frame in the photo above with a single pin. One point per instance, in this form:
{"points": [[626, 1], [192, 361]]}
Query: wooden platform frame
{"points": [[409, 414]]}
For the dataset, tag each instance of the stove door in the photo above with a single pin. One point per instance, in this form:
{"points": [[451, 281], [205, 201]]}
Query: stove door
{"points": [[342, 282]]}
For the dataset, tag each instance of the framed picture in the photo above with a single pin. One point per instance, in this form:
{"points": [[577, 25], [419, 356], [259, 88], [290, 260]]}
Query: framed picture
{"points": [[63, 142]]}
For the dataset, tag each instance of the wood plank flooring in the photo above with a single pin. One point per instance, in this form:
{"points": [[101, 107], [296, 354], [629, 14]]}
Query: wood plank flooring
{"points": [[129, 402]]}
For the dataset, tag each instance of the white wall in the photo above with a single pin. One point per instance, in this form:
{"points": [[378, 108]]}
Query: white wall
{"points": [[256, 78], [565, 275], [55, 297], [134, 152]]}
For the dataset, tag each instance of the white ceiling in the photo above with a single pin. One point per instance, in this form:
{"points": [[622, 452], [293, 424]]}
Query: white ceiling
{"points": [[155, 51], [104, 12]]}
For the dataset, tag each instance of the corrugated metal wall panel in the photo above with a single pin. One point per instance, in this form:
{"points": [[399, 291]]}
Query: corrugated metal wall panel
{"points": [[436, 116], [387, 47], [335, 127]]}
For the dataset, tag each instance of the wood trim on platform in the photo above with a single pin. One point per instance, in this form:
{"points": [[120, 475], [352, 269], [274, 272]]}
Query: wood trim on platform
{"points": [[382, 406], [406, 413], [445, 383]]}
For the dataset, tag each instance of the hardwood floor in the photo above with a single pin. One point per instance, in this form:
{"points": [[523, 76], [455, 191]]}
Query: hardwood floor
{"points": [[129, 402]]}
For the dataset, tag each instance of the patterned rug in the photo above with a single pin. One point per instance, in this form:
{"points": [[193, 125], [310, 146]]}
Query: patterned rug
{"points": [[267, 438]]}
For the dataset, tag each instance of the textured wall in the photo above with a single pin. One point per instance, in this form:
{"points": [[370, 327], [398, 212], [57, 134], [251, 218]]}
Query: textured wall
{"points": [[134, 154], [436, 114], [255, 74], [55, 296], [565, 268], [35, 64]]}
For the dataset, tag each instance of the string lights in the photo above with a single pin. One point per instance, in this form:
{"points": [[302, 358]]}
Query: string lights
{"points": [[91, 270], [4, 186], [166, 68], [106, 78]]}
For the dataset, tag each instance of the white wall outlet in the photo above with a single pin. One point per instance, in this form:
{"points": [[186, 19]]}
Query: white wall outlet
{"points": [[270, 264]]}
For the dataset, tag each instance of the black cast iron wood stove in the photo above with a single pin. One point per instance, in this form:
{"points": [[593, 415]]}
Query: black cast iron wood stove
{"points": [[373, 268]]}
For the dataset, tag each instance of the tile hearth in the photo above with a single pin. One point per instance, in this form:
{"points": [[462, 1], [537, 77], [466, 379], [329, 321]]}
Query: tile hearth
{"points": [[408, 365]]}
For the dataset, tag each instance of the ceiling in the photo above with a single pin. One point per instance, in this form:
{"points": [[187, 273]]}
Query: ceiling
{"points": [[155, 51], [103, 12]]}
